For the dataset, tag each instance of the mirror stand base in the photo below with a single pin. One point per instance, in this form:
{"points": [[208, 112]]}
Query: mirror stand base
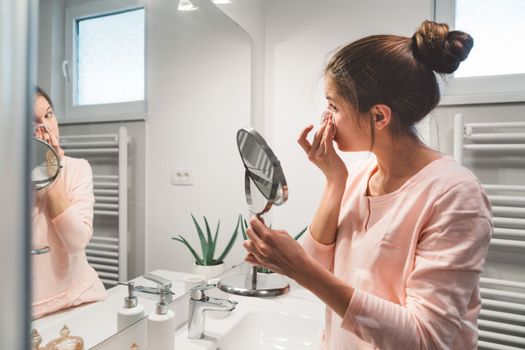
{"points": [[266, 285]]}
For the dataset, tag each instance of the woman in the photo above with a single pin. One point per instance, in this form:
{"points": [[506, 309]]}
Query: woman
{"points": [[397, 244], [62, 220]]}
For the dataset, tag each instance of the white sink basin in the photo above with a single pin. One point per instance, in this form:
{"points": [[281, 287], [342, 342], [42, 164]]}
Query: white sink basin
{"points": [[293, 321], [270, 330]]}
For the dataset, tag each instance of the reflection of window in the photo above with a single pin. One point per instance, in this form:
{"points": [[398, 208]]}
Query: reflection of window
{"points": [[494, 70], [105, 61], [110, 58]]}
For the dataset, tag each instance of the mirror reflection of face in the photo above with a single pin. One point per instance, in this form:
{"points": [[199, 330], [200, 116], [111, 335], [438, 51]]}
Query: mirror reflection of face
{"points": [[44, 114]]}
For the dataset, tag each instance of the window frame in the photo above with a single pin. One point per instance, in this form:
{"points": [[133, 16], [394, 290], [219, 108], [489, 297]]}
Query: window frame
{"points": [[475, 90], [109, 112]]}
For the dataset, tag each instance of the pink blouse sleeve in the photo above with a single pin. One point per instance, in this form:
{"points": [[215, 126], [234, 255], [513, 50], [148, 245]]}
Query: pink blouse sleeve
{"points": [[324, 254], [74, 226], [449, 258]]}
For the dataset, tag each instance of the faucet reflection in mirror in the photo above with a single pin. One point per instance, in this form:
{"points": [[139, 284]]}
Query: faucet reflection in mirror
{"points": [[206, 264], [62, 219]]}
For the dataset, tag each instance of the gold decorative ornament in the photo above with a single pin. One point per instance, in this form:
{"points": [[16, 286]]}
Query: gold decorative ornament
{"points": [[65, 342], [36, 340]]}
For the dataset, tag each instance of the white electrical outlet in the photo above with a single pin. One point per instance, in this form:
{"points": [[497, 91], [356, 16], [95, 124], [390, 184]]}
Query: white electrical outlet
{"points": [[182, 176]]}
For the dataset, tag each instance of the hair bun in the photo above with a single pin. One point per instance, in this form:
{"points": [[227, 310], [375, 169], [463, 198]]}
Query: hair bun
{"points": [[441, 50]]}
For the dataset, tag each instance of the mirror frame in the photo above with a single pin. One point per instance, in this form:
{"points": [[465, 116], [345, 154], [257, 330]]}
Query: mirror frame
{"points": [[278, 180]]}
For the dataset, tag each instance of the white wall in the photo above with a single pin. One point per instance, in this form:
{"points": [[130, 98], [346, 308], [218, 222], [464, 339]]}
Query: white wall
{"points": [[300, 34], [250, 15], [199, 95]]}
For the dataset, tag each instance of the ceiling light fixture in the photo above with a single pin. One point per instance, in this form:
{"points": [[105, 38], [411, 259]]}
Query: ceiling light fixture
{"points": [[186, 5]]}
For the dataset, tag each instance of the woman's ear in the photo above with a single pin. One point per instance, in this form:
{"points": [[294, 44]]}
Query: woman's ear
{"points": [[381, 116]]}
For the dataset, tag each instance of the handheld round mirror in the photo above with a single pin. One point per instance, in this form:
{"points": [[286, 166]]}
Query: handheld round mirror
{"points": [[46, 164], [45, 169], [263, 169]]}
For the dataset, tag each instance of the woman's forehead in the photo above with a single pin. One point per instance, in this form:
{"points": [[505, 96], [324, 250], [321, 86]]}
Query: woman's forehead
{"points": [[42, 102], [329, 84], [331, 91]]}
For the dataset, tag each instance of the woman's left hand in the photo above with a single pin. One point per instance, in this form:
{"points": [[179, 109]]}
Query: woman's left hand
{"points": [[275, 250]]}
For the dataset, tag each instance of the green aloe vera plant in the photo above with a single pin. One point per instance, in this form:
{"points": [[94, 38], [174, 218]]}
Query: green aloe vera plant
{"points": [[209, 243], [244, 226]]}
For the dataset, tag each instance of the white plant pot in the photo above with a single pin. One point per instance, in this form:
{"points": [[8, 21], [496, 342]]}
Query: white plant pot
{"points": [[208, 271]]}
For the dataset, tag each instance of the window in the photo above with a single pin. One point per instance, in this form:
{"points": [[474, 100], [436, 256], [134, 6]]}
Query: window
{"points": [[110, 68], [494, 70], [105, 64], [493, 28]]}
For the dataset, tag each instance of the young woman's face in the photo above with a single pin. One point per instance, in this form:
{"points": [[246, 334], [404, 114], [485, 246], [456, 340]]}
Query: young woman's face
{"points": [[44, 115], [351, 133]]}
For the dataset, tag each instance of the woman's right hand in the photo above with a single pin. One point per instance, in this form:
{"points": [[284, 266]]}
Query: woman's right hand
{"points": [[44, 133], [321, 151]]}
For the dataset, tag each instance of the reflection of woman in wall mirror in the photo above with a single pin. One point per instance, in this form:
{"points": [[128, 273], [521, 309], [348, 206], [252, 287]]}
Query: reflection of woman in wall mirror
{"points": [[62, 220], [398, 242]]}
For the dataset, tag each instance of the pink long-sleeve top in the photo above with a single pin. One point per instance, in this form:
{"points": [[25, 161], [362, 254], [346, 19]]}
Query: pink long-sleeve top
{"points": [[63, 278], [414, 257]]}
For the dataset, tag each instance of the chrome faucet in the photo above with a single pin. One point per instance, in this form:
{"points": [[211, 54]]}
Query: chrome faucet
{"points": [[163, 286], [200, 303]]}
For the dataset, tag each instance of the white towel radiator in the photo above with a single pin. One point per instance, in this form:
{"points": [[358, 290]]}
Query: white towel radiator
{"points": [[502, 318], [107, 250]]}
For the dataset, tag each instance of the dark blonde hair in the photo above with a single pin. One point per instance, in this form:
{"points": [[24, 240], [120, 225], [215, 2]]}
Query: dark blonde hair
{"points": [[398, 71], [41, 92]]}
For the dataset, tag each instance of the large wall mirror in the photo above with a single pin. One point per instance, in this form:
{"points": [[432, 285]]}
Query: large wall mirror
{"points": [[135, 89]]}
